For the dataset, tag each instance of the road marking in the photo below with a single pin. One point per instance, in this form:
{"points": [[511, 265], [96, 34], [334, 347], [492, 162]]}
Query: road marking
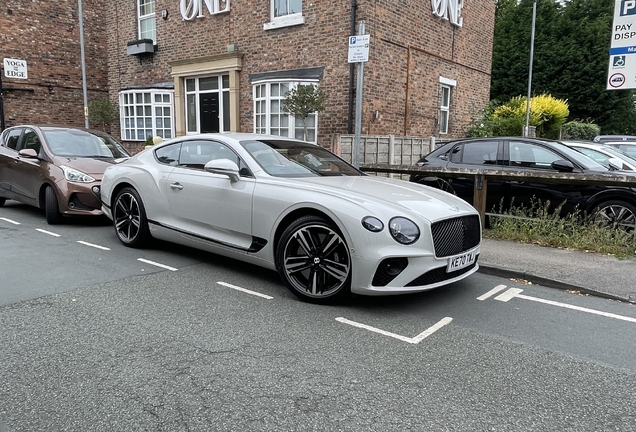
{"points": [[245, 290], [516, 293], [93, 245], [492, 292], [157, 264], [48, 232], [414, 340], [10, 221]]}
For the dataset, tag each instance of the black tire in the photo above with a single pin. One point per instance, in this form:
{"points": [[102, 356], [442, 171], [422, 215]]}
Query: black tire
{"points": [[51, 207], [313, 260], [2, 201], [129, 219], [615, 214]]}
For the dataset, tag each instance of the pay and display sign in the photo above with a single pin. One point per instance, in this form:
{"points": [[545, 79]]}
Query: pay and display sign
{"points": [[359, 48], [622, 59]]}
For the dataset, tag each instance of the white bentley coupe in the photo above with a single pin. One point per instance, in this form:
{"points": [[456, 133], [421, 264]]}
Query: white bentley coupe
{"points": [[327, 228]]}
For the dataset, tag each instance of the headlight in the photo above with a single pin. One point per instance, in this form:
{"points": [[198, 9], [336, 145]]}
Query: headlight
{"points": [[76, 176], [373, 224], [403, 230]]}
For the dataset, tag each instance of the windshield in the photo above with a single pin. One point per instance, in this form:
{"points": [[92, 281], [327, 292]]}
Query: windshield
{"points": [[582, 160], [282, 158], [78, 143]]}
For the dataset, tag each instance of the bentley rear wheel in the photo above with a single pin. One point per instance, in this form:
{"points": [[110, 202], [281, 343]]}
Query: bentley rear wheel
{"points": [[313, 260], [129, 219]]}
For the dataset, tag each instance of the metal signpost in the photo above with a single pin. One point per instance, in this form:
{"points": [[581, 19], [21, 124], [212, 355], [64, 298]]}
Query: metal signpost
{"points": [[358, 53], [622, 55]]}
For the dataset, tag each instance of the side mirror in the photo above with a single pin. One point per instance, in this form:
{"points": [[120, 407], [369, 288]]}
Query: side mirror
{"points": [[563, 165], [615, 163], [225, 167], [28, 153]]}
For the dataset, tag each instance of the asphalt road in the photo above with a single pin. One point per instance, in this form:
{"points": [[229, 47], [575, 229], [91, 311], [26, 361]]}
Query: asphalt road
{"points": [[95, 340]]}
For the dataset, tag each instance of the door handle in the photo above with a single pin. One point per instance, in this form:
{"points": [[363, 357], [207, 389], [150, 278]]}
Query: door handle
{"points": [[176, 186]]}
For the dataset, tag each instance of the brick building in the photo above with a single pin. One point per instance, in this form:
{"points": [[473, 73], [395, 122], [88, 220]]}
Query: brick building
{"points": [[45, 34], [221, 65]]}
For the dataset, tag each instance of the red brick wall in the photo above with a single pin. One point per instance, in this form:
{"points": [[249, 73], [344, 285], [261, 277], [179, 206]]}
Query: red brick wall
{"points": [[46, 35], [463, 54]]}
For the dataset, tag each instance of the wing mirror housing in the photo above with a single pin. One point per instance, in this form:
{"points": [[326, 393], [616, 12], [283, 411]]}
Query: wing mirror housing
{"points": [[224, 167], [28, 153], [615, 163], [563, 165]]}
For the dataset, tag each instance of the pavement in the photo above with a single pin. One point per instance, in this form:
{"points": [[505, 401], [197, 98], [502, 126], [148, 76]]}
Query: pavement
{"points": [[587, 272]]}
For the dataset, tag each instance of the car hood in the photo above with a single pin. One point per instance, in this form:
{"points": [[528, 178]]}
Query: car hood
{"points": [[87, 165], [427, 202]]}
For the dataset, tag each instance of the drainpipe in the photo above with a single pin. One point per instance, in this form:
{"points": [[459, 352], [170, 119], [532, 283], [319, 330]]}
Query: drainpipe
{"points": [[354, 9]]}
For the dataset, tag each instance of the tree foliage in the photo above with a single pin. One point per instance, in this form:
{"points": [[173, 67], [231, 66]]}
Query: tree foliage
{"points": [[103, 111], [304, 100], [570, 58], [547, 114]]}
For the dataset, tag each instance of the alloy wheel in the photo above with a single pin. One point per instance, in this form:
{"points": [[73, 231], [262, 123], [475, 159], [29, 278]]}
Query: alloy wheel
{"points": [[316, 261], [127, 217], [616, 216]]}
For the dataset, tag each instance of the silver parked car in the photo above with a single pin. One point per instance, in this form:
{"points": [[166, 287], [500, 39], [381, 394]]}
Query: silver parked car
{"points": [[294, 207]]}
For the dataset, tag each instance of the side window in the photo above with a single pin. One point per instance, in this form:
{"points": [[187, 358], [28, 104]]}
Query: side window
{"points": [[629, 149], [168, 155], [11, 138], [195, 154], [30, 140], [527, 155], [480, 153], [475, 153]]}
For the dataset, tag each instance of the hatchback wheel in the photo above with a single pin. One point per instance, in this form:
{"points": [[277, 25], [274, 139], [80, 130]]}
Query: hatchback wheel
{"points": [[51, 207], [129, 218], [2, 201], [313, 260], [615, 214]]}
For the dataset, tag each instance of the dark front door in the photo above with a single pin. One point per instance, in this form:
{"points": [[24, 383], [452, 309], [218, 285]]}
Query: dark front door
{"points": [[209, 111]]}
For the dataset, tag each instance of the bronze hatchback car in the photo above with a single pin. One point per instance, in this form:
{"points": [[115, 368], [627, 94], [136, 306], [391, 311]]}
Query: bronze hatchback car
{"points": [[58, 169]]}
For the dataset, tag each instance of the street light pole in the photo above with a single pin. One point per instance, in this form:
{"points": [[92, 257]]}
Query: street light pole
{"points": [[526, 129]]}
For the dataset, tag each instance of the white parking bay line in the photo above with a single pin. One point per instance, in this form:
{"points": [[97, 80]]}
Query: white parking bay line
{"points": [[414, 340], [48, 232], [225, 284], [157, 264], [492, 292], [10, 221], [516, 293], [93, 245]]}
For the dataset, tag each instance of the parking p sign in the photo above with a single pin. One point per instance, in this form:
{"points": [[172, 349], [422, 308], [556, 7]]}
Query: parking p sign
{"points": [[358, 48]]}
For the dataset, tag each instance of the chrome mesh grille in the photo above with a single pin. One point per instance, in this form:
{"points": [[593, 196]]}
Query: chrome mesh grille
{"points": [[457, 235]]}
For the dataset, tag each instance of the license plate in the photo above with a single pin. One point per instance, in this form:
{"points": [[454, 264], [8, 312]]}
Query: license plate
{"points": [[460, 261]]}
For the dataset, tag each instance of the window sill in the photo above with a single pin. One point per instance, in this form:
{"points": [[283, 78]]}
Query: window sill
{"points": [[287, 21]]}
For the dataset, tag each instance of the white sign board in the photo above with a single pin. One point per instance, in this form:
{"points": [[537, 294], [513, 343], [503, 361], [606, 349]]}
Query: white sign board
{"points": [[622, 59], [359, 48], [14, 68]]}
